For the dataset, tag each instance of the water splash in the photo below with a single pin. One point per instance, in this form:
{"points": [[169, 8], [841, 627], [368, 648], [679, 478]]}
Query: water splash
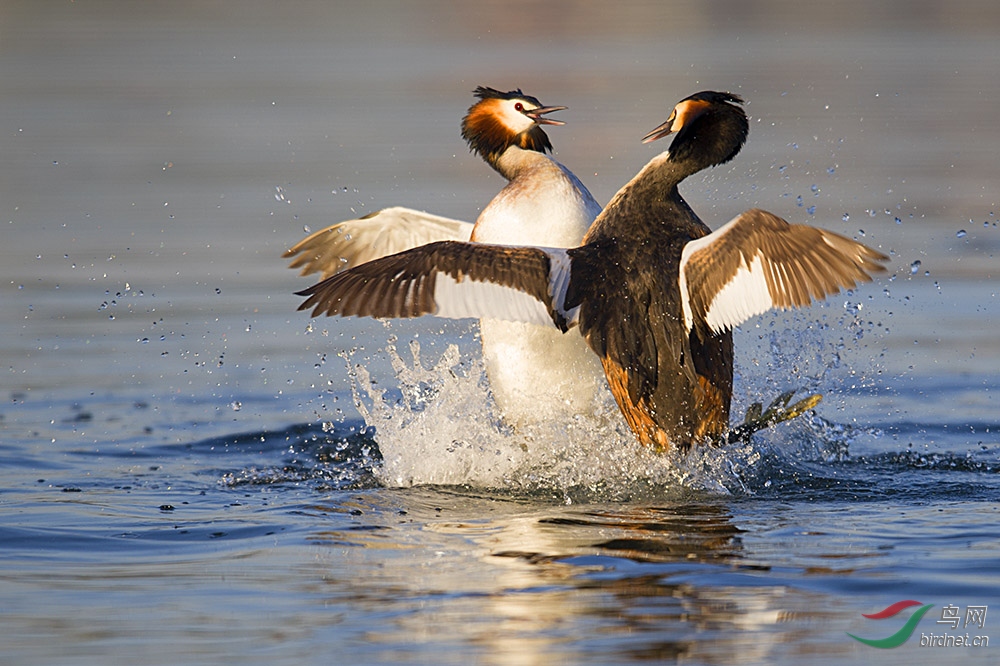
{"points": [[442, 428], [435, 422]]}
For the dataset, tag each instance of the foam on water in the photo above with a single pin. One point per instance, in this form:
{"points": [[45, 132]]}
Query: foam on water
{"points": [[436, 423], [443, 428]]}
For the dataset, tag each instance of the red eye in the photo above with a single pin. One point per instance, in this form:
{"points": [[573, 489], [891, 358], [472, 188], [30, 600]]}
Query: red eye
{"points": [[519, 107]]}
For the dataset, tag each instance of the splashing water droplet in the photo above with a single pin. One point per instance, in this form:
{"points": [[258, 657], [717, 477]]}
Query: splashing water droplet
{"points": [[440, 427], [914, 267], [961, 234]]}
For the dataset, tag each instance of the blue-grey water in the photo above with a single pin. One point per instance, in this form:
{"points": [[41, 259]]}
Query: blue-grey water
{"points": [[193, 472]]}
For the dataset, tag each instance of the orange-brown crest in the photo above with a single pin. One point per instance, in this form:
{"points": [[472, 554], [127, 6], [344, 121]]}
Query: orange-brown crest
{"points": [[494, 124], [685, 112]]}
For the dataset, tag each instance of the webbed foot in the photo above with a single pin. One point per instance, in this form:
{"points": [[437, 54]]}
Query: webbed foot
{"points": [[778, 411]]}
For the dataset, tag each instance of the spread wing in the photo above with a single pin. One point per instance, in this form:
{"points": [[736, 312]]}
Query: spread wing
{"points": [[452, 279], [758, 261], [379, 234]]}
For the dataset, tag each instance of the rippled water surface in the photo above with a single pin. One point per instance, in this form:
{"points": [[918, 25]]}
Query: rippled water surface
{"points": [[193, 472]]}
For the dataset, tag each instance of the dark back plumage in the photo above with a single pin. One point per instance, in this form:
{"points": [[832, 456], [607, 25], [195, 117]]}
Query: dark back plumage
{"points": [[673, 387]]}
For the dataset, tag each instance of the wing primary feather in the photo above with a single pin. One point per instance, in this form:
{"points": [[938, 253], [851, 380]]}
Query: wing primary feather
{"points": [[778, 265], [382, 233], [451, 279]]}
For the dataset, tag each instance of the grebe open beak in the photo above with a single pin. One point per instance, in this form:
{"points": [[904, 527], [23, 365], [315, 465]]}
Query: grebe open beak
{"points": [[663, 130], [536, 115]]}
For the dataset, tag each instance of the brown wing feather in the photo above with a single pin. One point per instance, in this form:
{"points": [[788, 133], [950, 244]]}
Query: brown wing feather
{"points": [[800, 263], [403, 285]]}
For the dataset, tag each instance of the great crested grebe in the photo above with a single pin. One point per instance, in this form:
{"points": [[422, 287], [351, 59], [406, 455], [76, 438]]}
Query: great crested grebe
{"points": [[535, 373], [654, 291]]}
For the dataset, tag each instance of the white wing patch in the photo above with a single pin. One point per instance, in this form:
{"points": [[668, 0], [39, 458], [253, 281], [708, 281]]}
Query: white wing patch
{"points": [[559, 274], [744, 296], [460, 299], [682, 284], [758, 261], [397, 229], [469, 299], [388, 231]]}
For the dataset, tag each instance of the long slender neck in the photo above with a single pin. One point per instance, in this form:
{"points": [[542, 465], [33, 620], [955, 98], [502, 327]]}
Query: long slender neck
{"points": [[513, 161], [649, 196], [664, 173], [650, 201], [655, 182], [689, 154]]}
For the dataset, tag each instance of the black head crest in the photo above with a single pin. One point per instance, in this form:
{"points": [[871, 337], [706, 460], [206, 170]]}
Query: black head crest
{"points": [[715, 97], [485, 92], [714, 130]]}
